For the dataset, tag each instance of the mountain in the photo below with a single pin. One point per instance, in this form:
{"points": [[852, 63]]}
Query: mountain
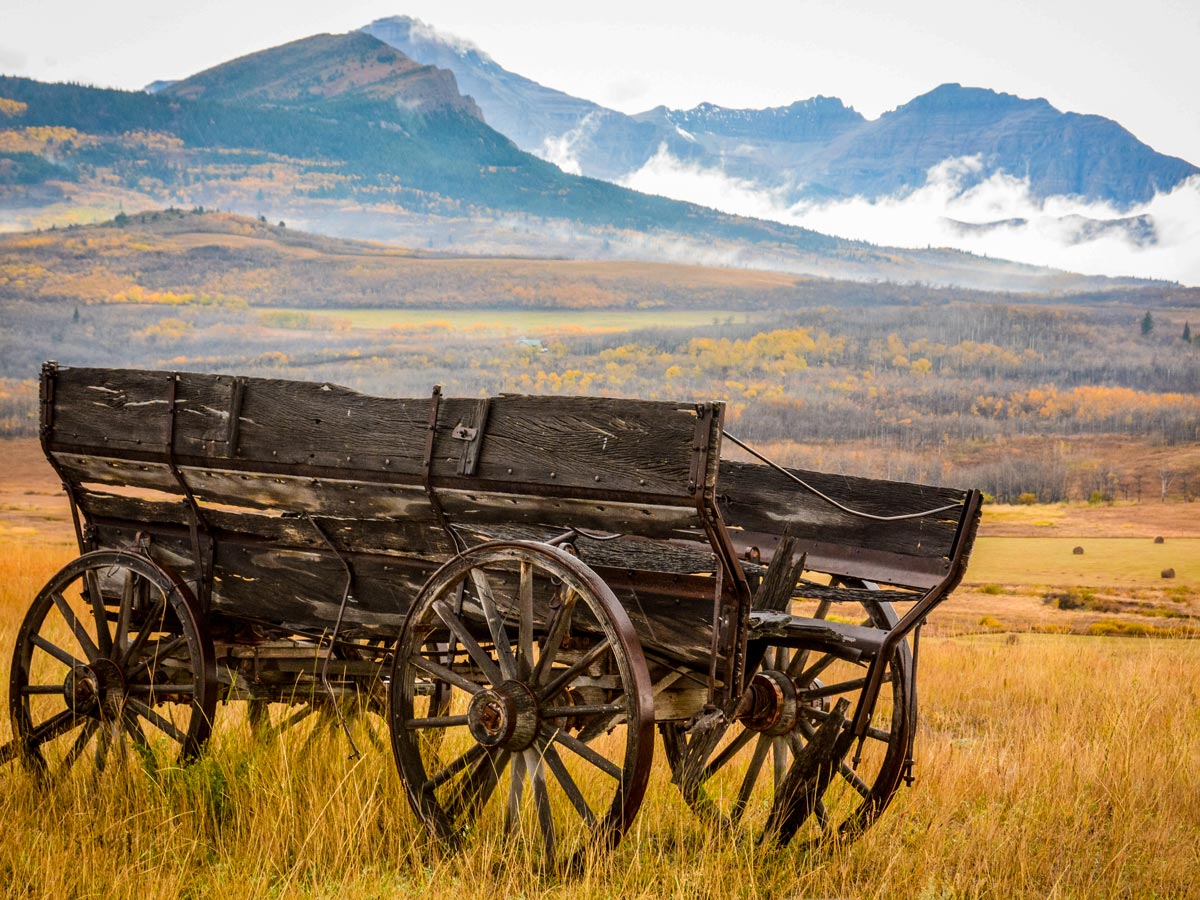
{"points": [[323, 67], [581, 136], [1059, 153], [344, 134], [816, 148]]}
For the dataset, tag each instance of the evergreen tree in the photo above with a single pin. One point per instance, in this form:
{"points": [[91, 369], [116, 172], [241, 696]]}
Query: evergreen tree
{"points": [[1187, 332], [1147, 323]]}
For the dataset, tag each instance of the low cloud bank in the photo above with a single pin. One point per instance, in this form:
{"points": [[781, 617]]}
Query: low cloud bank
{"points": [[997, 217]]}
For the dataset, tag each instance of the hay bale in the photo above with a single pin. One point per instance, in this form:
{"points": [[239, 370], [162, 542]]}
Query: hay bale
{"points": [[1168, 573], [1078, 551], [1159, 540]]}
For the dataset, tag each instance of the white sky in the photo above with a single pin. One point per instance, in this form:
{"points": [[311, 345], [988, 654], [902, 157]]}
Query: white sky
{"points": [[1130, 61]]}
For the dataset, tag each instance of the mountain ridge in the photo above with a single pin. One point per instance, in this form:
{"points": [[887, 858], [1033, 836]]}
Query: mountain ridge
{"points": [[1060, 154], [357, 164]]}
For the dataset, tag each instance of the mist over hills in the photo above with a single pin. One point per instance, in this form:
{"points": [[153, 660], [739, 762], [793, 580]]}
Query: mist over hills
{"points": [[1020, 172], [343, 134]]}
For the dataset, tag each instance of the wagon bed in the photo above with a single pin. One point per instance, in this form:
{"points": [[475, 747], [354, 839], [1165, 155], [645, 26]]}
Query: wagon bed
{"points": [[307, 527]]}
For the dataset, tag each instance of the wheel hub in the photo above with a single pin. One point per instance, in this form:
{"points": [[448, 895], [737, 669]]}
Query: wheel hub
{"points": [[505, 716], [99, 684], [769, 704]]}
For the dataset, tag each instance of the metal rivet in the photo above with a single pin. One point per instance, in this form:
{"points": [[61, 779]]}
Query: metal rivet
{"points": [[553, 475], [510, 471], [597, 478]]}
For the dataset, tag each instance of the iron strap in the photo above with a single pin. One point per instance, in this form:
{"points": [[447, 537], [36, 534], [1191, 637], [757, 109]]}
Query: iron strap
{"points": [[203, 562]]}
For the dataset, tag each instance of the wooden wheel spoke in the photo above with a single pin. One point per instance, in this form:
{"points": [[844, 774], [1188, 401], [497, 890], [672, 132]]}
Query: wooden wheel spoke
{"points": [[90, 650], [751, 777], [567, 783], [135, 728], [810, 674], [164, 725], [79, 745], [29, 689], [731, 750], [436, 722], [477, 653], [103, 745], [541, 801], [56, 651], [844, 769], [525, 622], [139, 641], [128, 592], [853, 778], [161, 652], [565, 676], [577, 712], [830, 690], [559, 625], [476, 786], [495, 623], [449, 771], [604, 722], [437, 670], [820, 715], [96, 598], [516, 787], [586, 753], [779, 761], [60, 723]]}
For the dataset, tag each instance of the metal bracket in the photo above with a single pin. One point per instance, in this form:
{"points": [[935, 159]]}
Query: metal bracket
{"points": [[472, 436], [435, 403], [198, 524], [46, 391], [236, 399]]}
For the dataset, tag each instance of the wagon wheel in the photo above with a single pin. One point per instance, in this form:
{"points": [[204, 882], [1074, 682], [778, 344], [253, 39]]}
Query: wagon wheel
{"points": [[731, 777], [548, 733], [111, 657]]}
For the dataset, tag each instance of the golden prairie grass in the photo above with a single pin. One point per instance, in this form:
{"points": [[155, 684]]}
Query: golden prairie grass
{"points": [[1048, 766]]}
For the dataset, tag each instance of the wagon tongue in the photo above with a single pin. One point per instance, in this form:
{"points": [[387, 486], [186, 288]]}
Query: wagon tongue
{"points": [[809, 775]]}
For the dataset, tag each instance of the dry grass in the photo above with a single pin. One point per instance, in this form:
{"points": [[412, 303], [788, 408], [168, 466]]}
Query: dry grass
{"points": [[1049, 766]]}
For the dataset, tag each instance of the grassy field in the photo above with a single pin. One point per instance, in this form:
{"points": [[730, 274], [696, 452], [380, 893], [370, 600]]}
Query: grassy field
{"points": [[529, 321], [1048, 765]]}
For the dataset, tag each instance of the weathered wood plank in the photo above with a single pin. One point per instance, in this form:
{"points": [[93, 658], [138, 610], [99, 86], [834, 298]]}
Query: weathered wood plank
{"points": [[408, 537], [129, 409], [637, 447], [293, 590], [472, 509], [756, 498], [321, 424]]}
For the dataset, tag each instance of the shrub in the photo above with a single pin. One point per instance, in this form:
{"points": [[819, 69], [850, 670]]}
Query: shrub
{"points": [[1027, 499]]}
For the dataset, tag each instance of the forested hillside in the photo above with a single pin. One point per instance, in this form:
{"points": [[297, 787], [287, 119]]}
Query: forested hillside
{"points": [[1048, 396]]}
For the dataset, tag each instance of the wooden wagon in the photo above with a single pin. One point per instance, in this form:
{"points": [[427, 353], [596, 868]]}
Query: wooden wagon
{"points": [[521, 587]]}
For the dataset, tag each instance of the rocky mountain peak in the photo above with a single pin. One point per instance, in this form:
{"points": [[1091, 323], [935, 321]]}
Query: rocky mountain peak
{"points": [[327, 66]]}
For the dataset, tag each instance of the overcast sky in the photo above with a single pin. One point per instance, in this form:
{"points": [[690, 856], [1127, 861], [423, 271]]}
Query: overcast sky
{"points": [[1130, 61]]}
